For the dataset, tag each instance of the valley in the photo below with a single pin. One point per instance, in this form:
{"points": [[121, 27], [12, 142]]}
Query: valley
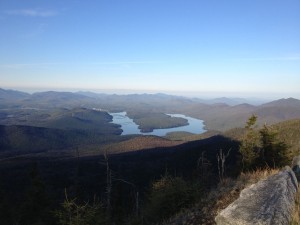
{"points": [[64, 120], [57, 142]]}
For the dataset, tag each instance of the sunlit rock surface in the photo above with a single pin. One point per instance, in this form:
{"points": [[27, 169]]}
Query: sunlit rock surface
{"points": [[269, 201]]}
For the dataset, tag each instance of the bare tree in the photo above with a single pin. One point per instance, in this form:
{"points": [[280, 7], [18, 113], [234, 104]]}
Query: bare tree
{"points": [[221, 158], [203, 165], [108, 184]]}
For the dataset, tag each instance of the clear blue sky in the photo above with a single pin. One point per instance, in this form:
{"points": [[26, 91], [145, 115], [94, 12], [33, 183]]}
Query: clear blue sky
{"points": [[228, 48]]}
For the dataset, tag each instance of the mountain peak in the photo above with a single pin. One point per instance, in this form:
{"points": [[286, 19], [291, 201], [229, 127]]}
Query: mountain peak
{"points": [[12, 94], [284, 102]]}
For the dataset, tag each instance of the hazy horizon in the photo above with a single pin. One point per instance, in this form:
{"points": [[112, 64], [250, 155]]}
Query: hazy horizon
{"points": [[191, 48], [201, 95]]}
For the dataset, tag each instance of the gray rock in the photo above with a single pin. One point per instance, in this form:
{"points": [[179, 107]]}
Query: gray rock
{"points": [[269, 201], [296, 166]]}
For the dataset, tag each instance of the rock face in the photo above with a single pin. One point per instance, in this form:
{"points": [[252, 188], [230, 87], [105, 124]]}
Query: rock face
{"points": [[269, 201]]}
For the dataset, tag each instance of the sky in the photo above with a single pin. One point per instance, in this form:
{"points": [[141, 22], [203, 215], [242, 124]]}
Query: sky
{"points": [[189, 47]]}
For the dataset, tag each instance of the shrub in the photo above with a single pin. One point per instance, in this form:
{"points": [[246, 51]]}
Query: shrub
{"points": [[73, 213], [168, 196]]}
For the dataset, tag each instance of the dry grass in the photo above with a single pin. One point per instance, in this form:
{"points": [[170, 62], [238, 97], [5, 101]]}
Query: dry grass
{"points": [[296, 212], [255, 176]]}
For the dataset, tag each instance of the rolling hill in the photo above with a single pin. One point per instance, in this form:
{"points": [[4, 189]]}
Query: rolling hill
{"points": [[21, 140], [12, 95], [217, 116]]}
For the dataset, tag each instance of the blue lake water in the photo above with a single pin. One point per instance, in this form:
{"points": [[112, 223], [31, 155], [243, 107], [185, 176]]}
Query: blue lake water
{"points": [[194, 126]]}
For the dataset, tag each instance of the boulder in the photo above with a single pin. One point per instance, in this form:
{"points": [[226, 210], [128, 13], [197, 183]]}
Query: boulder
{"points": [[268, 202]]}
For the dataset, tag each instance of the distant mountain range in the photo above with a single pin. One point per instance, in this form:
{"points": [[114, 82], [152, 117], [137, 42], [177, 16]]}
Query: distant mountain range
{"points": [[232, 101], [218, 114], [50, 95]]}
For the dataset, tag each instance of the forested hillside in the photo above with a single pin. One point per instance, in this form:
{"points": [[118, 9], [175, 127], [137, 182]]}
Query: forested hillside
{"points": [[145, 109]]}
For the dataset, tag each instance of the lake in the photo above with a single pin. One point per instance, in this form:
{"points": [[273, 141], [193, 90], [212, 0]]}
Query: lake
{"points": [[194, 126]]}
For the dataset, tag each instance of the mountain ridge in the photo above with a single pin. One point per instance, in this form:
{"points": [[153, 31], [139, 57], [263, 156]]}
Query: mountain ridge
{"points": [[140, 107]]}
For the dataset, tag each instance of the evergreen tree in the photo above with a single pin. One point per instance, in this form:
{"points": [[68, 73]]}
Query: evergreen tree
{"points": [[35, 209], [262, 148], [6, 215], [249, 147], [273, 153]]}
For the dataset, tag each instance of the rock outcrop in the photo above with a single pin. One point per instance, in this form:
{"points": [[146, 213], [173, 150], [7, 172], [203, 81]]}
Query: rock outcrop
{"points": [[268, 202]]}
